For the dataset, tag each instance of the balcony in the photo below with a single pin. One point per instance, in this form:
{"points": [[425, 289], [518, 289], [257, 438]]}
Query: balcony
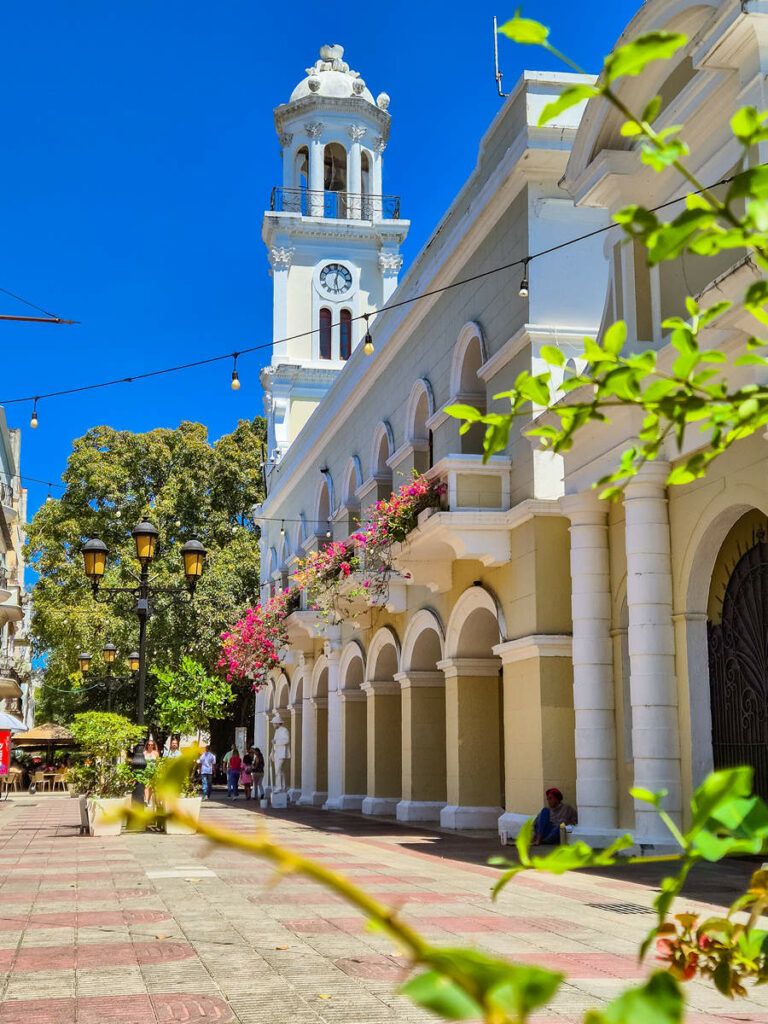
{"points": [[6, 501], [335, 205]]}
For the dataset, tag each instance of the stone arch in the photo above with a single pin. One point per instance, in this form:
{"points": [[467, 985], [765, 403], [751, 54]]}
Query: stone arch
{"points": [[467, 386], [420, 408], [352, 666], [382, 448], [272, 564], [323, 503], [353, 478], [383, 661], [698, 564], [282, 693], [384, 722], [459, 641], [319, 684], [300, 684], [424, 641]]}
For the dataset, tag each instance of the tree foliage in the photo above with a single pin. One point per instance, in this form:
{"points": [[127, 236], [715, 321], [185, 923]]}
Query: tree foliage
{"points": [[186, 487], [690, 411], [188, 698]]}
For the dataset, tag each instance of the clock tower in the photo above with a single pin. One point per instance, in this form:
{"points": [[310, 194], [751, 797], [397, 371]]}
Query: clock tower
{"points": [[332, 238]]}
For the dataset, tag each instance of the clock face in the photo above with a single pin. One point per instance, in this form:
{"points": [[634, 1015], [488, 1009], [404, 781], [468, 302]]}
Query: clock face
{"points": [[335, 278]]}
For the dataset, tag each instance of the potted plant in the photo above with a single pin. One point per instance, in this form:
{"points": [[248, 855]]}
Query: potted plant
{"points": [[185, 702], [105, 777]]}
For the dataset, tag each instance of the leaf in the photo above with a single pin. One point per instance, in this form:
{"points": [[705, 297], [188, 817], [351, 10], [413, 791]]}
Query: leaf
{"points": [[524, 30], [466, 412], [568, 98], [647, 796], [651, 110], [614, 337], [745, 123], [552, 355], [438, 993], [526, 989], [658, 1001], [632, 58], [716, 790], [752, 183]]}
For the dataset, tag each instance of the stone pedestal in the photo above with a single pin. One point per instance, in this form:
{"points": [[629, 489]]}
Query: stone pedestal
{"points": [[279, 798]]}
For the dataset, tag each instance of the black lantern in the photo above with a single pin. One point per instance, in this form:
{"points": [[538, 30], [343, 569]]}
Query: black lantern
{"points": [[193, 554], [84, 661], [95, 557], [145, 536]]}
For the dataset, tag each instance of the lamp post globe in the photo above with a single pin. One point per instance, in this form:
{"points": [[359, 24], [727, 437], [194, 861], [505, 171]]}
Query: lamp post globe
{"points": [[145, 536], [95, 558], [193, 554]]}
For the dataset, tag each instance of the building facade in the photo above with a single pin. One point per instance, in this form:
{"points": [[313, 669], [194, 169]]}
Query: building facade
{"points": [[535, 636], [15, 669]]}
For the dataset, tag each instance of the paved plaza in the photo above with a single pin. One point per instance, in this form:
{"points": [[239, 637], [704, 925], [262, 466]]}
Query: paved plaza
{"points": [[150, 928]]}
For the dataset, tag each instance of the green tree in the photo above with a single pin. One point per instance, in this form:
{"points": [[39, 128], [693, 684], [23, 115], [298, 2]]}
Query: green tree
{"points": [[186, 487], [187, 699]]}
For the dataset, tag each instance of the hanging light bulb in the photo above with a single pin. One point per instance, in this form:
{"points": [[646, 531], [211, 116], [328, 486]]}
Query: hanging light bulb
{"points": [[367, 340], [282, 529], [524, 287], [235, 378], [33, 421]]}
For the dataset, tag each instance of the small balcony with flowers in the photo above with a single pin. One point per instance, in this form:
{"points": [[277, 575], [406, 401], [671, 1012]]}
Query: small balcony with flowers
{"points": [[470, 520]]}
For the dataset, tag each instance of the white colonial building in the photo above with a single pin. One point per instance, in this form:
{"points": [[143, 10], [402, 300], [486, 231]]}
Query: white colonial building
{"points": [[536, 636]]}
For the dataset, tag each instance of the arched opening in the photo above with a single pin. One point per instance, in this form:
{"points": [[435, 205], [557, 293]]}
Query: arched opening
{"points": [[354, 729], [345, 334], [298, 201], [384, 721], [423, 720], [474, 701], [323, 509], [737, 626], [325, 343], [365, 171], [472, 392], [335, 180], [421, 406], [380, 453]]}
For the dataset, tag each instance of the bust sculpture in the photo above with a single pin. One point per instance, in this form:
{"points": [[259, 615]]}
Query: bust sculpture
{"points": [[281, 753]]}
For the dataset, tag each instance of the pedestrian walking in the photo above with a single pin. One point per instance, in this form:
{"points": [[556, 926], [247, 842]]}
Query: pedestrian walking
{"points": [[207, 761], [246, 775], [258, 773], [174, 751], [151, 753], [233, 773]]}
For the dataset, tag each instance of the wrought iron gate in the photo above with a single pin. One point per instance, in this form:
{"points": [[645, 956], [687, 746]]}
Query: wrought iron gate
{"points": [[738, 668]]}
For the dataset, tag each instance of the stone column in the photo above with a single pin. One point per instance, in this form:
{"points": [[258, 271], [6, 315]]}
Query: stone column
{"points": [[384, 754], [297, 728], [316, 203], [309, 752], [321, 751], [354, 760], [593, 685], [472, 743], [424, 761], [376, 179], [335, 782], [280, 258], [653, 687], [354, 172]]}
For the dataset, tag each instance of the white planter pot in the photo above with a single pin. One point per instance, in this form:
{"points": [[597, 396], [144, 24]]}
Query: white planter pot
{"points": [[104, 815], [190, 807]]}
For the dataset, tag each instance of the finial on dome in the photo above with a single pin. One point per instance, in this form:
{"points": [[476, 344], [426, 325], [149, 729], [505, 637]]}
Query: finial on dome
{"points": [[382, 101], [331, 51]]}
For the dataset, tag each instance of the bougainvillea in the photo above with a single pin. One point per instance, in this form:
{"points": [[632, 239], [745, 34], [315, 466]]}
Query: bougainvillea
{"points": [[251, 647], [392, 519], [329, 580]]}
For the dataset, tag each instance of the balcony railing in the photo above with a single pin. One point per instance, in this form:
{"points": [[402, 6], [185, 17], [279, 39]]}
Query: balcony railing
{"points": [[340, 205]]}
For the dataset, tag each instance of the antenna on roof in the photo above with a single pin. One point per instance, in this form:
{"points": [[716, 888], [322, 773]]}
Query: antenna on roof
{"points": [[499, 75]]}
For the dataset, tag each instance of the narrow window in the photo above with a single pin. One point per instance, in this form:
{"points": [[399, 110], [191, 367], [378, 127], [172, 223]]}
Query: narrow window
{"points": [[325, 333], [345, 335]]}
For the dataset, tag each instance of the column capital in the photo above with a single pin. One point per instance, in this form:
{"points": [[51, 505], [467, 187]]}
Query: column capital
{"points": [[413, 679], [319, 702], [537, 645], [452, 667], [353, 694], [650, 481], [374, 687], [585, 509], [296, 708]]}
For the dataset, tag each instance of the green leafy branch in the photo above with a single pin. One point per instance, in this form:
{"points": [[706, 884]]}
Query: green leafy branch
{"points": [[694, 389]]}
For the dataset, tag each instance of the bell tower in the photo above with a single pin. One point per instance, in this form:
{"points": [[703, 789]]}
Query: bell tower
{"points": [[332, 236]]}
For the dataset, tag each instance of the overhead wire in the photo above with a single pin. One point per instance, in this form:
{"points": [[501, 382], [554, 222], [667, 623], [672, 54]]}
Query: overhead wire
{"points": [[523, 261]]}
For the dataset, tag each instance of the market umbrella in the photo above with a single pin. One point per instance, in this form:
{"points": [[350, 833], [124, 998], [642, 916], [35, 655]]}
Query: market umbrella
{"points": [[9, 723]]}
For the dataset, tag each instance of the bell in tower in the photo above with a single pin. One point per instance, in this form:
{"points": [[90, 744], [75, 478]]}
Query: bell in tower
{"points": [[332, 235]]}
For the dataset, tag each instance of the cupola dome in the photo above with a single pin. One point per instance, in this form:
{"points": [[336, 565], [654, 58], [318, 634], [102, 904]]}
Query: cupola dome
{"points": [[332, 76]]}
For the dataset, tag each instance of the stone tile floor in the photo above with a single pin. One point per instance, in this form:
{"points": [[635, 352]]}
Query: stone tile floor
{"points": [[151, 928]]}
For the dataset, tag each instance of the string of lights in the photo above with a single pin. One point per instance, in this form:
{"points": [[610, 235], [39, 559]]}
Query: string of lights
{"points": [[368, 346]]}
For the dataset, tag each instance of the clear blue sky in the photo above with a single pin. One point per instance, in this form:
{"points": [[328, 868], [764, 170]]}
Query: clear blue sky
{"points": [[139, 154]]}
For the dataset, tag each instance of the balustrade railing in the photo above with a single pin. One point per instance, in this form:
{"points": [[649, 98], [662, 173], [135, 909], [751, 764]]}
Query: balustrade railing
{"points": [[340, 205]]}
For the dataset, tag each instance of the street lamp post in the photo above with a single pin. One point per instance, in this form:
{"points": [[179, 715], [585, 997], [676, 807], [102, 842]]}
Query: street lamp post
{"points": [[110, 653], [95, 555]]}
